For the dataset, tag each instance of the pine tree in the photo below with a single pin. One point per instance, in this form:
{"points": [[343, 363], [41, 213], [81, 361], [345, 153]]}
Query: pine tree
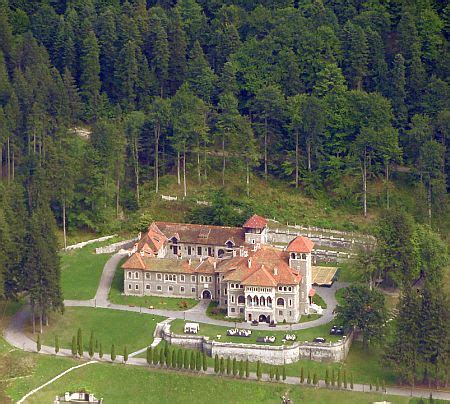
{"points": [[38, 343], [234, 367], [125, 354], [113, 353], [74, 345], [90, 76], [216, 363], [200, 76], [56, 344]]}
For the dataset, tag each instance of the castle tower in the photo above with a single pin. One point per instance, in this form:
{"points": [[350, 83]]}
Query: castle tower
{"points": [[255, 230], [300, 250]]}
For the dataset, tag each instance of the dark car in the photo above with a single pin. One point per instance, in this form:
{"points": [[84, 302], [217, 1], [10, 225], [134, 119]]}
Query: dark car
{"points": [[319, 339]]}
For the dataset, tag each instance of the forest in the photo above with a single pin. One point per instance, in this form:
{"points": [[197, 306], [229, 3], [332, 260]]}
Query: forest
{"points": [[100, 99]]}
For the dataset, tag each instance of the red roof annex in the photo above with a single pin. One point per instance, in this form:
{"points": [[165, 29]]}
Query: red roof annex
{"points": [[255, 222]]}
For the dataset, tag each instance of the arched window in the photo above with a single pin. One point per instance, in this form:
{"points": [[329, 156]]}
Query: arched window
{"points": [[249, 300], [269, 301], [241, 299], [255, 300], [280, 301], [293, 255], [262, 301], [303, 256]]}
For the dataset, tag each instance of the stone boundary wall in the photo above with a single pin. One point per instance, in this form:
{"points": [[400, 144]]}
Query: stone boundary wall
{"points": [[112, 248], [85, 243], [275, 355]]}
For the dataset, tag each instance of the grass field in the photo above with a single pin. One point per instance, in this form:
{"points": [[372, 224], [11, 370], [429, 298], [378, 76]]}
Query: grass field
{"points": [[110, 327], [167, 303], [209, 330], [156, 386], [81, 271]]}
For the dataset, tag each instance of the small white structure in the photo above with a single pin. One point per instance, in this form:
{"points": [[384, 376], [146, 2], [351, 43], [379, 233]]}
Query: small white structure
{"points": [[191, 328], [78, 397]]}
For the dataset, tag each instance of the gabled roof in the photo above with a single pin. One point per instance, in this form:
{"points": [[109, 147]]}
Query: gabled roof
{"points": [[255, 222], [151, 264], [202, 234], [300, 244], [260, 277]]}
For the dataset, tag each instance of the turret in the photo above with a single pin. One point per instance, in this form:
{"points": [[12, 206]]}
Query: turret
{"points": [[255, 230]]}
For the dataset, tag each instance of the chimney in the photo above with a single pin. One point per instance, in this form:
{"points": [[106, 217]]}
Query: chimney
{"points": [[275, 271], [249, 262]]}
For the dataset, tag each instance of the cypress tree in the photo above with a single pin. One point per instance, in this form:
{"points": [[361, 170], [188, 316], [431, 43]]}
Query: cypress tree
{"points": [[91, 345], [333, 378], [327, 378], [174, 359], [228, 366], [56, 344], [383, 386], [186, 360], [204, 362], [258, 370], [180, 359], [216, 363], [241, 368], [315, 379], [284, 372], [192, 362], [271, 372], [377, 385], [277, 373], [222, 366], [247, 369], [125, 354], [308, 379], [161, 357], [155, 356], [169, 359], [339, 380], [113, 353], [80, 342], [38, 343], [345, 379], [100, 351], [149, 355], [74, 345], [351, 381], [198, 361], [302, 375], [234, 367]]}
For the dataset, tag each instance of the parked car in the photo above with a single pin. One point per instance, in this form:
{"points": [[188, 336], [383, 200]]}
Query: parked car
{"points": [[319, 339]]}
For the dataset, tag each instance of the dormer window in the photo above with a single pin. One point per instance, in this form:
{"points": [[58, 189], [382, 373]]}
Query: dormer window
{"points": [[229, 244], [303, 256]]}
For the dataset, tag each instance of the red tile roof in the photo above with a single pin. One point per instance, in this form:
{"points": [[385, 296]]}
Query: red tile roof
{"points": [[202, 234], [300, 244], [267, 262], [255, 222]]}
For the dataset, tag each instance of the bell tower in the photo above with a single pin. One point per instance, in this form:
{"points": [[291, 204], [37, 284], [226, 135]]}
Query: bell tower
{"points": [[256, 230]]}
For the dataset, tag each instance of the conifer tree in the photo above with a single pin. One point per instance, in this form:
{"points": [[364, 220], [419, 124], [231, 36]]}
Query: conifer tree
{"points": [[199, 75], [125, 354], [302, 375], [241, 368], [339, 379], [186, 360], [308, 378], [222, 366], [228, 365], [235, 370], [91, 344], [38, 343], [277, 373], [345, 379], [177, 52], [162, 357], [80, 348], [155, 356], [355, 55], [174, 359], [149, 355], [113, 353], [333, 378], [216, 363], [74, 345], [315, 380], [126, 76], [247, 368], [100, 351], [284, 372], [204, 362], [198, 361], [192, 361], [271, 372], [56, 344], [258, 370], [180, 359]]}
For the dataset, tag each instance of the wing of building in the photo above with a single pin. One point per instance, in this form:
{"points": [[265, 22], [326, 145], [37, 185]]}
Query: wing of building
{"points": [[232, 265]]}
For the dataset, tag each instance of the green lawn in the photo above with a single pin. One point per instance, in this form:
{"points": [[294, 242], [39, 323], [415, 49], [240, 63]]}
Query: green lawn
{"points": [[177, 326], [317, 299], [110, 327], [145, 385], [81, 271], [167, 303]]}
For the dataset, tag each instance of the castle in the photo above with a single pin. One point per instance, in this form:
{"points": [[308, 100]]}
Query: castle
{"points": [[235, 266]]}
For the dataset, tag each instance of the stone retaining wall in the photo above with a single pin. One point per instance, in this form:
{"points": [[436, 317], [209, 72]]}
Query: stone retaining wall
{"points": [[85, 243], [112, 248], [271, 354]]}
